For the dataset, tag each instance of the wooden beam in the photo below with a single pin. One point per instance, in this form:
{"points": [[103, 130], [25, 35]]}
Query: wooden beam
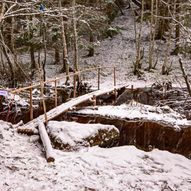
{"points": [[98, 80], [31, 105], [46, 142]]}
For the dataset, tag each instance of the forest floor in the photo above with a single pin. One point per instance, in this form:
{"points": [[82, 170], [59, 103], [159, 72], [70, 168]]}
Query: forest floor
{"points": [[23, 167], [120, 51]]}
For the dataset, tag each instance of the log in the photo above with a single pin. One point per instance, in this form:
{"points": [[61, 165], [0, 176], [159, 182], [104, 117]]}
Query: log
{"points": [[46, 142], [66, 106], [27, 131]]}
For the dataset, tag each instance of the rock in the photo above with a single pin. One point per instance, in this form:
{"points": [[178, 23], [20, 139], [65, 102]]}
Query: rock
{"points": [[71, 136], [34, 139]]}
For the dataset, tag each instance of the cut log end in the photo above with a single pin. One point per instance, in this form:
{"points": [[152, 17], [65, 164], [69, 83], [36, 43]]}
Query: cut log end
{"points": [[27, 131], [50, 159]]}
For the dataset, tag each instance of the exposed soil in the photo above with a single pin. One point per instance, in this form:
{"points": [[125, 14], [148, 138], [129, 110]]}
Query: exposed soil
{"points": [[145, 135]]}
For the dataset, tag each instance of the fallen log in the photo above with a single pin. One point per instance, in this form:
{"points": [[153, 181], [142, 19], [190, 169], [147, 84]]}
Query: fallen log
{"points": [[27, 131], [46, 142]]}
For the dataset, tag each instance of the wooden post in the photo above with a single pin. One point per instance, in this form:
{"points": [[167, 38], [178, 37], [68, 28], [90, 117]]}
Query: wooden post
{"points": [[114, 75], [94, 100], [98, 80], [74, 95], [56, 93], [115, 95], [46, 142], [132, 90], [43, 101], [31, 106]]}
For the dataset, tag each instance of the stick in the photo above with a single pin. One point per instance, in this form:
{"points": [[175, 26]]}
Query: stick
{"points": [[31, 105], [114, 76], [98, 80], [56, 93]]}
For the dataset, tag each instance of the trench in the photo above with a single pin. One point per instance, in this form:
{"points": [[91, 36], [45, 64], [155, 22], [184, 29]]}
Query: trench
{"points": [[143, 134]]}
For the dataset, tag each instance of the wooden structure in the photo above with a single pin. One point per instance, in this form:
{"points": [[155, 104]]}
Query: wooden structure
{"points": [[46, 142], [55, 82], [31, 125]]}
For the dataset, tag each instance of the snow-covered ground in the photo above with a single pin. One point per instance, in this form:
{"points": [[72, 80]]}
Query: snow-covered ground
{"points": [[23, 168], [135, 110], [120, 51], [72, 135]]}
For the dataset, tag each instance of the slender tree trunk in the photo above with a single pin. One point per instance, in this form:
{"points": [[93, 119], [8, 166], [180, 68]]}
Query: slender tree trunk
{"points": [[76, 56], [137, 64], [32, 55], [45, 52], [64, 46], [9, 61], [151, 45], [185, 77], [166, 68], [32, 50], [163, 24], [2, 59], [177, 27], [56, 55], [2, 12], [12, 47]]}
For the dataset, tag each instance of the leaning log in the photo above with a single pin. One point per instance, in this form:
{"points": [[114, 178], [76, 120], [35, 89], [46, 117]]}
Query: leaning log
{"points": [[46, 142]]}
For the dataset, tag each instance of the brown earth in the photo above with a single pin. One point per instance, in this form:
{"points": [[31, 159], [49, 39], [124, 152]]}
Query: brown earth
{"points": [[145, 134]]}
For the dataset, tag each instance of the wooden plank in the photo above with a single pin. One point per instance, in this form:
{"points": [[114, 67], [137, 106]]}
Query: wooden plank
{"points": [[66, 106]]}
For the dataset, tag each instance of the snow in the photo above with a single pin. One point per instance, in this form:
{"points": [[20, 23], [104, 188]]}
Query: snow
{"points": [[72, 133], [23, 167], [13, 98], [135, 110]]}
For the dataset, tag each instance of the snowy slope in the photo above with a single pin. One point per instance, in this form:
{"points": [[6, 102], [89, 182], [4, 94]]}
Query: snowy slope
{"points": [[24, 168]]}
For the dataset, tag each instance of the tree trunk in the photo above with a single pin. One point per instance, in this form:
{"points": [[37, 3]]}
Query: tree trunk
{"points": [[177, 27], [32, 51], [11, 66], [64, 46], [76, 56], [163, 24], [137, 64], [2, 60], [151, 44], [2, 12], [45, 52], [56, 55], [32, 55]]}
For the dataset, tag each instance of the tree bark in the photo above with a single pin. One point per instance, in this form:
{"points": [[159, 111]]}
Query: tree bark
{"points": [[185, 77], [56, 55], [64, 46], [11, 67], [46, 142], [2, 12], [76, 56]]}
